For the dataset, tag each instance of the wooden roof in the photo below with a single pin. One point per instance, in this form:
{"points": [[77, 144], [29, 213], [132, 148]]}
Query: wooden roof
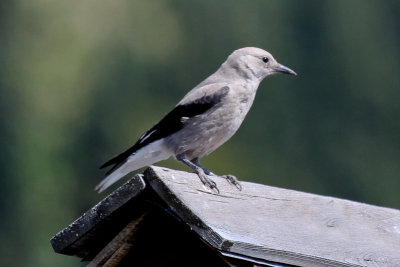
{"points": [[261, 224]]}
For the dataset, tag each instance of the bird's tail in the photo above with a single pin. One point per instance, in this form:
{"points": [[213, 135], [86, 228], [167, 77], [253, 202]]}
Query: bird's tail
{"points": [[111, 179], [145, 156]]}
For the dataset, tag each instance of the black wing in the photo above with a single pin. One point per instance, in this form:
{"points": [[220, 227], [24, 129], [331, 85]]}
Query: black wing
{"points": [[171, 123]]}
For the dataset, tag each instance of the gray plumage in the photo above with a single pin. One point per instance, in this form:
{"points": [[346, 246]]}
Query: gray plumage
{"points": [[203, 120]]}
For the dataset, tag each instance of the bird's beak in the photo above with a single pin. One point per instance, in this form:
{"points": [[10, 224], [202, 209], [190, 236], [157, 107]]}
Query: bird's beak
{"points": [[283, 69]]}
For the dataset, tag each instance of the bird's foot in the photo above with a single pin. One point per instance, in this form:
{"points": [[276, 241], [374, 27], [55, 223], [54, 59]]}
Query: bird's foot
{"points": [[208, 182], [233, 180]]}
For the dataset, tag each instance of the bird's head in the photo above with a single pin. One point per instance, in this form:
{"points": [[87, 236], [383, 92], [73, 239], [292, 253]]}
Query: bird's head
{"points": [[252, 62]]}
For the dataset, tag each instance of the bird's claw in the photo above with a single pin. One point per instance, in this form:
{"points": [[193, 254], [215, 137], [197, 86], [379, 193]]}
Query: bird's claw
{"points": [[208, 182], [233, 180]]}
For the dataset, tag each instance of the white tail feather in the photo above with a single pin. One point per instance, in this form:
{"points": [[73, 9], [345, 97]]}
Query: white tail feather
{"points": [[152, 153]]}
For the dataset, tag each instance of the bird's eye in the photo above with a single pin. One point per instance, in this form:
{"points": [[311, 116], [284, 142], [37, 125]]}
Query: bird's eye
{"points": [[265, 59]]}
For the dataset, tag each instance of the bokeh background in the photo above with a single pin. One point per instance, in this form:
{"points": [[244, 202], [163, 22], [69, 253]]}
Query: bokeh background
{"points": [[80, 81]]}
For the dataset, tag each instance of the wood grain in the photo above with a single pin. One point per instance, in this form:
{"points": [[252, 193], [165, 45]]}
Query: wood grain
{"points": [[282, 225]]}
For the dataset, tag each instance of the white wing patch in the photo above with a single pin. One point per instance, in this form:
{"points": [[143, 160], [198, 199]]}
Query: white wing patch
{"points": [[184, 119], [145, 136]]}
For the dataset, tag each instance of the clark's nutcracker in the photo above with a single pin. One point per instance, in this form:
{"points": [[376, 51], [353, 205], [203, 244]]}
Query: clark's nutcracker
{"points": [[203, 120]]}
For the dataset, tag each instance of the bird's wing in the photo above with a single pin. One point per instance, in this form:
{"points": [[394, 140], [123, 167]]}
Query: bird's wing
{"points": [[174, 120]]}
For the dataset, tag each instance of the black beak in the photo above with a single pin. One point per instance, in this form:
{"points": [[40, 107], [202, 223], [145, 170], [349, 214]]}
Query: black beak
{"points": [[282, 69]]}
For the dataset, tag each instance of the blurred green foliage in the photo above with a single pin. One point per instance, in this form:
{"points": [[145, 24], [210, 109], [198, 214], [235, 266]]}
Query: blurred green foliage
{"points": [[81, 80]]}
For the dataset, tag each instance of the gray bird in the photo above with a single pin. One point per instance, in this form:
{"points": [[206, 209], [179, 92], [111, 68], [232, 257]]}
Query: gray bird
{"points": [[203, 120]]}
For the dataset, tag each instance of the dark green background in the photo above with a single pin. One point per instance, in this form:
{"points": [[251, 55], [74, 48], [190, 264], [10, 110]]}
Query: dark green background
{"points": [[81, 80]]}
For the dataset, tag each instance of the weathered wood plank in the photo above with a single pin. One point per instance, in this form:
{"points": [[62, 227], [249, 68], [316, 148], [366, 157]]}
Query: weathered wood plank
{"points": [[80, 237], [282, 225]]}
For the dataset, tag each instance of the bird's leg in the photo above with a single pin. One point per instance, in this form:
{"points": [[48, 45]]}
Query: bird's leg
{"points": [[196, 162], [230, 178], [200, 172]]}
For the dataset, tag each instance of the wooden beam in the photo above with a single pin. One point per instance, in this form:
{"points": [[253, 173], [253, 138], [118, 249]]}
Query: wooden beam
{"points": [[119, 247], [280, 225]]}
